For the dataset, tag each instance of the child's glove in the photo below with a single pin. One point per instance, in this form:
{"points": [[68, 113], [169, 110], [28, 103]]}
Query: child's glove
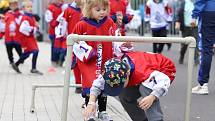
{"points": [[127, 47], [26, 29], [48, 16], [122, 47], [83, 51]]}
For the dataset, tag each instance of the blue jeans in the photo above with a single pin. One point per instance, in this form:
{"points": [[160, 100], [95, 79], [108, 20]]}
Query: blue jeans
{"points": [[206, 41]]}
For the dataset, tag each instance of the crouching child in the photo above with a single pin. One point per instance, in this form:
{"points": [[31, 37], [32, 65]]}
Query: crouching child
{"points": [[139, 79]]}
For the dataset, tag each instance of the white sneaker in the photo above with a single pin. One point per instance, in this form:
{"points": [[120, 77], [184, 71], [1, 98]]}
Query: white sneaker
{"points": [[201, 90], [103, 116]]}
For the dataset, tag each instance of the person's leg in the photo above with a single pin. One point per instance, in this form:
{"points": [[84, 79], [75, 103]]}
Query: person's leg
{"points": [[160, 47], [18, 49], [52, 39], [34, 63], [185, 32], [161, 33], [154, 113], [205, 44], [9, 48], [155, 45], [182, 53], [23, 56], [206, 54], [34, 59], [207, 40], [169, 45], [77, 75], [102, 102], [86, 99], [128, 99], [55, 56], [102, 105], [196, 54], [62, 55]]}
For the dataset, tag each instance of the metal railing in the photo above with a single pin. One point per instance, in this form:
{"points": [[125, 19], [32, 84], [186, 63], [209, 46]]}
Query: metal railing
{"points": [[35, 86], [72, 38]]}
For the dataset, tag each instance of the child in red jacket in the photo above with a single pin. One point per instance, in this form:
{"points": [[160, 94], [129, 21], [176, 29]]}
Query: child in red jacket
{"points": [[95, 22], [51, 14], [27, 30], [139, 79], [67, 21], [120, 8], [12, 21]]}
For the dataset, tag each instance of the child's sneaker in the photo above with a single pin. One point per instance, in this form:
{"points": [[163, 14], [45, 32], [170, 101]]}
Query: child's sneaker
{"points": [[91, 119], [103, 116], [16, 68], [201, 90], [35, 71]]}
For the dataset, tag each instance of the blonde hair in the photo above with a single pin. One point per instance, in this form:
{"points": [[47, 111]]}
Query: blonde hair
{"points": [[25, 3], [89, 4]]}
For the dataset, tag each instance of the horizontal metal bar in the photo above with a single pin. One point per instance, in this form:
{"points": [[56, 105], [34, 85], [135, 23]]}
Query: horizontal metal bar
{"points": [[74, 38], [35, 86], [55, 85]]}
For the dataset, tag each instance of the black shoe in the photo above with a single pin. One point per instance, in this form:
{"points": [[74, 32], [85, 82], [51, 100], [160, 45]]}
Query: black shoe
{"points": [[169, 45], [196, 62], [78, 90], [181, 60], [83, 105], [16, 68], [35, 71]]}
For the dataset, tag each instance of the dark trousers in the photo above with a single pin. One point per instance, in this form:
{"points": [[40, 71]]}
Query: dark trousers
{"points": [[9, 47], [102, 102], [207, 39], [189, 31], [62, 55], [53, 56], [128, 99], [158, 47], [25, 55]]}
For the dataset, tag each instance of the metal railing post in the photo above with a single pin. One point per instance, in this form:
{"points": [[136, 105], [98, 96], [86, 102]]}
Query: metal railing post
{"points": [[192, 46], [33, 99], [67, 78]]}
